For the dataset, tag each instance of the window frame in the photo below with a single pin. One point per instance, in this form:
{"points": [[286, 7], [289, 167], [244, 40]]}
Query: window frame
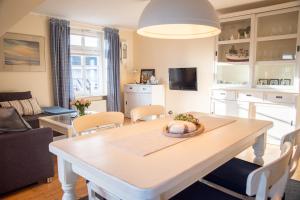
{"points": [[85, 51]]}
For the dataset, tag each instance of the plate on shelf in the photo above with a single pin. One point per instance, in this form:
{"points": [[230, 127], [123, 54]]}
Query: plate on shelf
{"points": [[199, 130]]}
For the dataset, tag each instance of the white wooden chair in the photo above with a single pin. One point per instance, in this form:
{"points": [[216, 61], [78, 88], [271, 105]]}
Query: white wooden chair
{"points": [[232, 176], [88, 122], [267, 181], [294, 138], [145, 111]]}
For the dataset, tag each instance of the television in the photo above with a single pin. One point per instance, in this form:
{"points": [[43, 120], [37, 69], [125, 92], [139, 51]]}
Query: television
{"points": [[183, 79]]}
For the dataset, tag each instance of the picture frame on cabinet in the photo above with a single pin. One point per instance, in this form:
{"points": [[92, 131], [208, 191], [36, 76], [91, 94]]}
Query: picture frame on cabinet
{"points": [[285, 82], [146, 74], [274, 82], [263, 81]]}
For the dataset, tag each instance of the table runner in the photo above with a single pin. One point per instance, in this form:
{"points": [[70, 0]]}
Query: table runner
{"points": [[148, 142]]}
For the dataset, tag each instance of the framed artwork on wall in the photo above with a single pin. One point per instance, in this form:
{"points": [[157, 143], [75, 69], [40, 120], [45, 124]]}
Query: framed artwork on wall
{"points": [[22, 53], [146, 74]]}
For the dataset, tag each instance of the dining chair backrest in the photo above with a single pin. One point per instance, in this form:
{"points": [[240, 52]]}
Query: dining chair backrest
{"points": [[270, 180], [145, 111], [86, 122], [294, 139]]}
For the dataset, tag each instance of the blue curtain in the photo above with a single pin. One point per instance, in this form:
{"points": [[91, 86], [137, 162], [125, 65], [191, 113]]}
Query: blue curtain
{"points": [[112, 56], [60, 61]]}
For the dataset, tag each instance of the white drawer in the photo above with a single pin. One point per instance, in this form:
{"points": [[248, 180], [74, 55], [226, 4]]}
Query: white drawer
{"points": [[145, 89], [131, 88], [250, 96], [280, 98], [223, 94]]}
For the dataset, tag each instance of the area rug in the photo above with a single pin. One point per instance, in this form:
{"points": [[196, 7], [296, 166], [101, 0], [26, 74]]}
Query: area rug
{"points": [[292, 191]]}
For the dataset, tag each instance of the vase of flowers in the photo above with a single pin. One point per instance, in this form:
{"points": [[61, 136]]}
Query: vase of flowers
{"points": [[81, 105]]}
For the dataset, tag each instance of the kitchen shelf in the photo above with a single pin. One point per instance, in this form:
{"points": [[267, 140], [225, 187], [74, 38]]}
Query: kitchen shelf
{"points": [[234, 41], [277, 37]]}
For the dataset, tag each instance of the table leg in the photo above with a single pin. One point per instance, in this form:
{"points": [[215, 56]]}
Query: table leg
{"points": [[67, 178], [259, 149]]}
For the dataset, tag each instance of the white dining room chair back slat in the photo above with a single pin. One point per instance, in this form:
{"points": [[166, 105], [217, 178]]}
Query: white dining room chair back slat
{"points": [[87, 122], [294, 139], [271, 179], [265, 182], [145, 111]]}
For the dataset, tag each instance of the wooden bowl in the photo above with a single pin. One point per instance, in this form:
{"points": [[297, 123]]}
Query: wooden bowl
{"points": [[200, 129]]}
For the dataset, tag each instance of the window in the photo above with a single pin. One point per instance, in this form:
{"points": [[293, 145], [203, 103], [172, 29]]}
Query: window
{"points": [[88, 71]]}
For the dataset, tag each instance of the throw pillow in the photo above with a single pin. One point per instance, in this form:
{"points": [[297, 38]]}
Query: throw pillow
{"points": [[15, 104], [30, 106], [11, 121]]}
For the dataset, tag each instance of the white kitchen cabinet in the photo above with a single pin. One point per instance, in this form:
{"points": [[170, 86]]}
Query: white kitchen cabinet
{"points": [[279, 107], [136, 95]]}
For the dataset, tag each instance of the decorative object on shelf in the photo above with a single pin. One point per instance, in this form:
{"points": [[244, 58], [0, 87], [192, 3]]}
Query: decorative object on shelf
{"points": [[244, 32], [237, 56], [81, 105], [153, 80], [288, 56], [22, 53], [146, 74], [274, 82], [184, 125], [263, 82], [177, 19], [232, 37], [285, 82]]}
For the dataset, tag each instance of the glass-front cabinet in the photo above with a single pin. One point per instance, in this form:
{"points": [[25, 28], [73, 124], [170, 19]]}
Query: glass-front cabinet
{"points": [[233, 52], [259, 50]]}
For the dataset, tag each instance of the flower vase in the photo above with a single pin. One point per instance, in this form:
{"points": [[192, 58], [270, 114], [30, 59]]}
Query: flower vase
{"points": [[81, 111]]}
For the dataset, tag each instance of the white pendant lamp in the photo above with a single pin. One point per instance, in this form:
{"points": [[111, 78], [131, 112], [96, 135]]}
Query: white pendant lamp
{"points": [[179, 19]]}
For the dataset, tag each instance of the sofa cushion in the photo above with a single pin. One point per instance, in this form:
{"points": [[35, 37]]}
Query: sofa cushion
{"points": [[30, 107], [10, 96], [15, 104], [11, 121]]}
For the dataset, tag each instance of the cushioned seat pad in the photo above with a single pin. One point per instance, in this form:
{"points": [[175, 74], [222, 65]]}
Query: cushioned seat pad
{"points": [[200, 191], [232, 175]]}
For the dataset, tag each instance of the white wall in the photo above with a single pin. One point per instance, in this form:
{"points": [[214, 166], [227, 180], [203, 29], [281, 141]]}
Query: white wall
{"points": [[162, 54], [37, 82]]}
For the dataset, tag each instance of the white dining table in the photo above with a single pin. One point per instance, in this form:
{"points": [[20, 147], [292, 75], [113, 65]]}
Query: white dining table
{"points": [[161, 174]]}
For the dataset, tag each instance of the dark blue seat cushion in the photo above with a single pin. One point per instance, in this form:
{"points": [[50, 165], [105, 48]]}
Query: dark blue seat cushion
{"points": [[201, 191], [232, 175]]}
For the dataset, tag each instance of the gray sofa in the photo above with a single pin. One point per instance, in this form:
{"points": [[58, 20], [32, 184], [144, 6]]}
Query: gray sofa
{"points": [[25, 157]]}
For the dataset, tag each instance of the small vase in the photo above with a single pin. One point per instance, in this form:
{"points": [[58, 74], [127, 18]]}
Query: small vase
{"points": [[81, 111]]}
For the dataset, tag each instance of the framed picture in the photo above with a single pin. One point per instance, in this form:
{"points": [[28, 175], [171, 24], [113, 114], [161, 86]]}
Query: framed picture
{"points": [[123, 51], [146, 74], [274, 82], [285, 82], [262, 81], [22, 53]]}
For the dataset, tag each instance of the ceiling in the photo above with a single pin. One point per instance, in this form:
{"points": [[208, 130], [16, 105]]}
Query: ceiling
{"points": [[118, 13]]}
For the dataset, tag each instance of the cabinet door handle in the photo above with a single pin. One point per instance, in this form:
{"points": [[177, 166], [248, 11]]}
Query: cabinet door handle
{"points": [[223, 93], [130, 88], [248, 95], [298, 48], [292, 123], [278, 97], [126, 102]]}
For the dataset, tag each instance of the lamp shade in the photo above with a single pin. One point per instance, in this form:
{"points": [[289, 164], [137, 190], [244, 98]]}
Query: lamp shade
{"points": [[179, 19]]}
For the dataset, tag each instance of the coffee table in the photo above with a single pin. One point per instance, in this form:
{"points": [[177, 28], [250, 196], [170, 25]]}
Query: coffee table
{"points": [[60, 123]]}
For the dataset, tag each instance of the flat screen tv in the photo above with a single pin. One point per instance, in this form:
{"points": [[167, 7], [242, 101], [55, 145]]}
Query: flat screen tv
{"points": [[183, 79]]}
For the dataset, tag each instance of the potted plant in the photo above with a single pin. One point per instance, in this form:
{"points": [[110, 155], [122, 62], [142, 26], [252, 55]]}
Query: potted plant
{"points": [[81, 105]]}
